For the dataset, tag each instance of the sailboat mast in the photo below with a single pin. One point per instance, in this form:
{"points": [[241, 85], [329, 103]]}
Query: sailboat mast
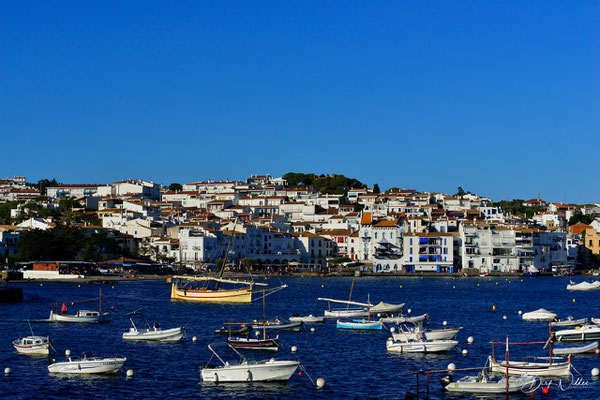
{"points": [[226, 255], [350, 298], [264, 318], [100, 306]]}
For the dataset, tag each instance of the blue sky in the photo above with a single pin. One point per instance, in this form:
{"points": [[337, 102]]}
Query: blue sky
{"points": [[499, 97]]}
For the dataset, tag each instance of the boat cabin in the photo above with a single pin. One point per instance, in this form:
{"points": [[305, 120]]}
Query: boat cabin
{"points": [[87, 313]]}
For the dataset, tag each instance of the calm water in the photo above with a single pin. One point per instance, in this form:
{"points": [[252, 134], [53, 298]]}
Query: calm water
{"points": [[355, 364]]}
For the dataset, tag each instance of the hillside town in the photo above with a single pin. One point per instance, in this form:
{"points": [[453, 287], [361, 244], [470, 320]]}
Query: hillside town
{"points": [[267, 223]]}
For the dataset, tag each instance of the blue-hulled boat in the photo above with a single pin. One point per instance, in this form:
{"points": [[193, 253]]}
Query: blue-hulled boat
{"points": [[360, 324]]}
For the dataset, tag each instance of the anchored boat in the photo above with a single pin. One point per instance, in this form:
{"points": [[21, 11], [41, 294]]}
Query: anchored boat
{"points": [[154, 332], [244, 370], [87, 365], [32, 345], [483, 383]]}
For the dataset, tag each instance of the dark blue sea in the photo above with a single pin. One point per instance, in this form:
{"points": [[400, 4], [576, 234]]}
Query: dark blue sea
{"points": [[354, 364]]}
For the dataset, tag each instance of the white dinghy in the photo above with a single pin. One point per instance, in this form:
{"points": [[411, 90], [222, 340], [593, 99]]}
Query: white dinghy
{"points": [[244, 370], [154, 332], [584, 286], [87, 365], [569, 321]]}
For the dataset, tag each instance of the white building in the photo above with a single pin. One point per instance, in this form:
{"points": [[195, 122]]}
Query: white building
{"points": [[430, 252]]}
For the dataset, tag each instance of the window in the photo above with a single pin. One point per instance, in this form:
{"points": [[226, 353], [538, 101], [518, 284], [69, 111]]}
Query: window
{"points": [[411, 250], [376, 238], [410, 241]]}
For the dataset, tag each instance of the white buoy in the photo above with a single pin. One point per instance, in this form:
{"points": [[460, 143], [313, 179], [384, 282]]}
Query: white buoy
{"points": [[320, 382], [256, 333], [470, 340], [130, 373], [520, 312], [294, 349], [451, 367], [379, 315], [409, 311], [312, 329], [465, 352], [392, 329], [194, 339], [504, 317], [67, 353], [595, 371], [8, 371], [445, 323]]}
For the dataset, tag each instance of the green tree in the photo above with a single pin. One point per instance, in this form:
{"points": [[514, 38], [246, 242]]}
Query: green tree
{"points": [[376, 189], [460, 192], [44, 183], [175, 186]]}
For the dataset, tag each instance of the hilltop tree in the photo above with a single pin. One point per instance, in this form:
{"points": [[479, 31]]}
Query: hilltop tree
{"points": [[175, 186], [376, 189]]}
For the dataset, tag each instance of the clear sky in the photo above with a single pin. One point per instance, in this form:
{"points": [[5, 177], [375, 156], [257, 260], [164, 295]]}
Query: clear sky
{"points": [[499, 97]]}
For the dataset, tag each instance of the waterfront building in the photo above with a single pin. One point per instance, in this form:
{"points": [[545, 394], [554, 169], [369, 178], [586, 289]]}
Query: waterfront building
{"points": [[431, 252]]}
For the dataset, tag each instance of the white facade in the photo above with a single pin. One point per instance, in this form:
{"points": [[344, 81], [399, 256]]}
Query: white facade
{"points": [[429, 252]]}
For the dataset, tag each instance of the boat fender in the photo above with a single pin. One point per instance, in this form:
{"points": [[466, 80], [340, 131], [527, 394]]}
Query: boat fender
{"points": [[595, 372], [446, 380], [7, 371], [216, 378], [249, 379]]}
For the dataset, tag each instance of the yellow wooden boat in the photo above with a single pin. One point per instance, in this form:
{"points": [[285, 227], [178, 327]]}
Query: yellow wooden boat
{"points": [[182, 289]]}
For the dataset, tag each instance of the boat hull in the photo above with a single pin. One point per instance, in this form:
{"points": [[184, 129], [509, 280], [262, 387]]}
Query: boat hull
{"points": [[438, 334], [291, 326], [345, 313], [515, 385], [564, 350], [54, 317], [364, 325], [570, 322], [156, 335], [204, 295], [438, 346], [535, 369], [254, 344], [404, 320], [585, 286], [311, 319], [92, 366], [271, 370]]}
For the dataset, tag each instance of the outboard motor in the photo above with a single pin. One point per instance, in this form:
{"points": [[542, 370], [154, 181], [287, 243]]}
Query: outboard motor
{"points": [[446, 380]]}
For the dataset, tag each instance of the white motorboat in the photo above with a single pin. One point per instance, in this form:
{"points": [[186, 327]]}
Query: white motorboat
{"points": [[539, 315], [309, 319], [595, 321], [569, 321], [584, 286], [85, 316], [154, 332], [420, 346], [416, 333], [586, 332], [32, 345], [87, 365], [566, 350], [244, 370], [555, 368], [483, 383], [401, 319]]}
